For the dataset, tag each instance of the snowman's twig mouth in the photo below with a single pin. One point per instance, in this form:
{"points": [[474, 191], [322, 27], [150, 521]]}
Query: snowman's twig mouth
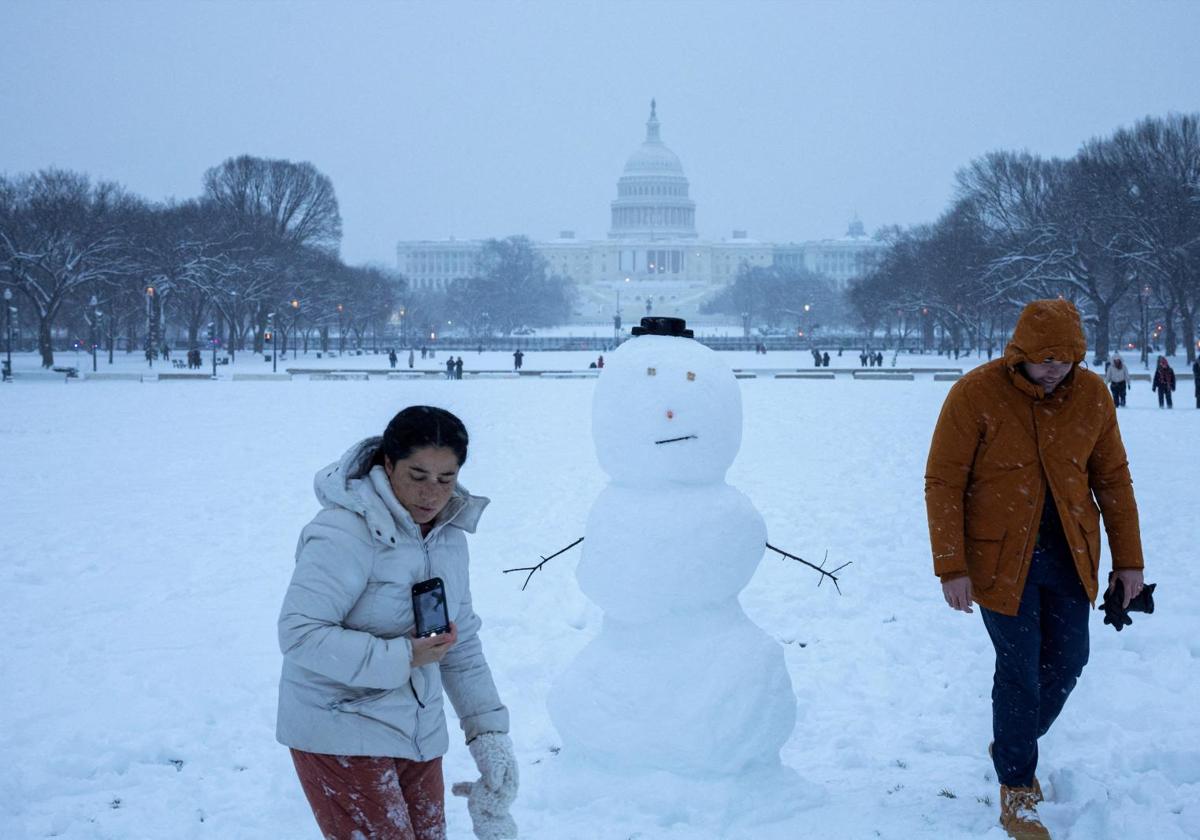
{"points": [[673, 440]]}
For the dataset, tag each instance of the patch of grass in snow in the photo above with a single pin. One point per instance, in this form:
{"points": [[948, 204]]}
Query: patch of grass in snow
{"points": [[949, 794]]}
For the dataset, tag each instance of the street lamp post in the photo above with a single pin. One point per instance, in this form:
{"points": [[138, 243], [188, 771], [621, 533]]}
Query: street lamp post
{"points": [[93, 303], [341, 332], [212, 342], [274, 343], [8, 310], [1144, 295], [295, 322], [150, 325]]}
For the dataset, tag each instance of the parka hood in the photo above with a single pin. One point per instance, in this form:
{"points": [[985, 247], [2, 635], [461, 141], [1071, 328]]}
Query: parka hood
{"points": [[346, 484], [1047, 329]]}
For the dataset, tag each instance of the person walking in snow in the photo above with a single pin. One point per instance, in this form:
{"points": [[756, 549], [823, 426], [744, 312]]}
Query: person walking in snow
{"points": [[450, 367], [1117, 377], [360, 696], [1025, 458], [392, 358], [518, 358], [1196, 379], [1164, 382], [410, 358], [458, 363]]}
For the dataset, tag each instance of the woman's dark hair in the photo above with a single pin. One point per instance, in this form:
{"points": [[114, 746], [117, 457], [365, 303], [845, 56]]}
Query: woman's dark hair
{"points": [[419, 426]]}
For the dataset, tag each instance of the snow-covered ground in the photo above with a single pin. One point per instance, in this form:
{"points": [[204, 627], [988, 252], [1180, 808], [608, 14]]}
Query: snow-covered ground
{"points": [[147, 537]]}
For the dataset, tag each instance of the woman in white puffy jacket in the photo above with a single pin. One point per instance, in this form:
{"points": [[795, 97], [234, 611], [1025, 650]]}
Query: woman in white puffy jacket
{"points": [[1117, 377], [360, 698]]}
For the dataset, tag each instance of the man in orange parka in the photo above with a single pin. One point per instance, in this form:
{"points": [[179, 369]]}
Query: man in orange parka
{"points": [[1025, 457]]}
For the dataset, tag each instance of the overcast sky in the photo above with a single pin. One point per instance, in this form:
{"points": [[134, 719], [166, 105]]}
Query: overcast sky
{"points": [[478, 120]]}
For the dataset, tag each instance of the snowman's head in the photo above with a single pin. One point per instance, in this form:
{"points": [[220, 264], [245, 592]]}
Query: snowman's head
{"points": [[666, 409]]}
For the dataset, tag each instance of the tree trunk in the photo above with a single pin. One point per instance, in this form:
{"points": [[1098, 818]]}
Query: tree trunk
{"points": [[1188, 320], [45, 346], [1103, 331], [1170, 342]]}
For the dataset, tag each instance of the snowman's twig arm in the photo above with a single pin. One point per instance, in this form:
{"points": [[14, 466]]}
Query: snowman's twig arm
{"points": [[832, 575], [545, 560]]}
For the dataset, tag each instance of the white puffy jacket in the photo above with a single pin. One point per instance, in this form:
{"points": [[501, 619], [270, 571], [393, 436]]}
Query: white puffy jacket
{"points": [[347, 687]]}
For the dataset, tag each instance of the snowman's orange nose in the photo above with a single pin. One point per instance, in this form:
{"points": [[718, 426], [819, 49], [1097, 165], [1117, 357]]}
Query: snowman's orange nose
{"points": [[670, 414]]}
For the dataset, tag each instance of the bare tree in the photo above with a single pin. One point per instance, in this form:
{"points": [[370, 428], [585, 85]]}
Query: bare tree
{"points": [[289, 201], [59, 234]]}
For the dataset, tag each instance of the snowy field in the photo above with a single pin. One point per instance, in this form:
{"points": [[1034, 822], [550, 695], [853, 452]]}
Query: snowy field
{"points": [[147, 539]]}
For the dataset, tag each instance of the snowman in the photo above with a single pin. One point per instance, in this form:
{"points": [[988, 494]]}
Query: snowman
{"points": [[678, 679]]}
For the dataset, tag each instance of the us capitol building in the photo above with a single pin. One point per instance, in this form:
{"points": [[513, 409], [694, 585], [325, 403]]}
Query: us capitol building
{"points": [[653, 259]]}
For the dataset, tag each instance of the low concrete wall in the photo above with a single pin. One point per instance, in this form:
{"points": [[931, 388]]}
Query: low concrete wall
{"points": [[893, 377], [180, 377], [40, 376], [947, 377], [113, 376], [340, 375], [262, 377], [591, 374], [806, 375]]}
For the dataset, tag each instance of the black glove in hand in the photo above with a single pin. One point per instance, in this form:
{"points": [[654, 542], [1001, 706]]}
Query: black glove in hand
{"points": [[1118, 616]]}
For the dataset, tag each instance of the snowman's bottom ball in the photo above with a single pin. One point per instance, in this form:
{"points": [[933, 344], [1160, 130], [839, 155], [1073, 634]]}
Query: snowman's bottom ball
{"points": [[705, 695]]}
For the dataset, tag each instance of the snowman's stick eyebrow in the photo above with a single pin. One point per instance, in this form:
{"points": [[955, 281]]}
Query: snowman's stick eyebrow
{"points": [[673, 440]]}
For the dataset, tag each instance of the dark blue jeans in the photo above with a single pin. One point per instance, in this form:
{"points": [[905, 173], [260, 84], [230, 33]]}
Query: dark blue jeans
{"points": [[1040, 653]]}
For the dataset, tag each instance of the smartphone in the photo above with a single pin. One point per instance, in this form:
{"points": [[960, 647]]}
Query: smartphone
{"points": [[429, 608]]}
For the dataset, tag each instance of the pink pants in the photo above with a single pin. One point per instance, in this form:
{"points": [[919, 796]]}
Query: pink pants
{"points": [[355, 797]]}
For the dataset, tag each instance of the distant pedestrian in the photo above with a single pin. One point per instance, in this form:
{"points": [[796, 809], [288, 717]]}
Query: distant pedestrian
{"points": [[1164, 382], [410, 358], [1196, 379], [862, 359], [424, 352], [600, 362], [518, 359], [1117, 377], [879, 358], [450, 368], [166, 352], [458, 368], [392, 358]]}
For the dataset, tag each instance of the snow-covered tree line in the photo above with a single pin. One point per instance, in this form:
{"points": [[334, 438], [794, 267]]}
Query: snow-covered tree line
{"points": [[1115, 229], [255, 253], [254, 259], [780, 295]]}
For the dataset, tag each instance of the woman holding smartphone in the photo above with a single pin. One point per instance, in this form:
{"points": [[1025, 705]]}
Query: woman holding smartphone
{"points": [[360, 697]]}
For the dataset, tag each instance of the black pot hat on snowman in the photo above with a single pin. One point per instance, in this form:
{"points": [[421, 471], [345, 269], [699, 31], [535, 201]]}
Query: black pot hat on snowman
{"points": [[661, 325]]}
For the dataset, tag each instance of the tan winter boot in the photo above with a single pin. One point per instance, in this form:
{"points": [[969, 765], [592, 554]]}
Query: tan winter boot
{"points": [[1037, 787], [1018, 814]]}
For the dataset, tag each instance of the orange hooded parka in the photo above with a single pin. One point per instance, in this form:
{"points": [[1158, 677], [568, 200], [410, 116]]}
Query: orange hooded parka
{"points": [[1002, 448]]}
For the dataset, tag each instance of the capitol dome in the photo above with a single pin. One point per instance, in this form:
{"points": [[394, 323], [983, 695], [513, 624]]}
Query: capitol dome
{"points": [[652, 193]]}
